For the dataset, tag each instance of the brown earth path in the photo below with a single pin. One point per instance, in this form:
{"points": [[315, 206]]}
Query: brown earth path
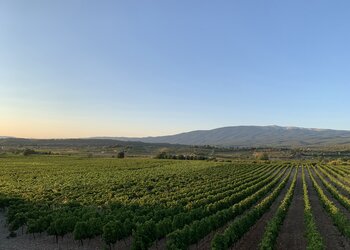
{"points": [[332, 237], [292, 232]]}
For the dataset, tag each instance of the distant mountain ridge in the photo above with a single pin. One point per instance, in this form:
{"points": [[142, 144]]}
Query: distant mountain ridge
{"points": [[234, 136], [247, 136]]}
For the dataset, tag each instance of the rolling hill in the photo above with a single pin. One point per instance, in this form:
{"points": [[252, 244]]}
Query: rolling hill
{"points": [[247, 136]]}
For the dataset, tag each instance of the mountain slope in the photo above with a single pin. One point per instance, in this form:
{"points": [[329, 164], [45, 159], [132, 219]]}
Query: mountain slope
{"points": [[237, 136], [254, 136]]}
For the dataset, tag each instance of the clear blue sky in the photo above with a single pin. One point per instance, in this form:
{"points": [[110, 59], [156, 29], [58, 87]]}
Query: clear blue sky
{"points": [[135, 68]]}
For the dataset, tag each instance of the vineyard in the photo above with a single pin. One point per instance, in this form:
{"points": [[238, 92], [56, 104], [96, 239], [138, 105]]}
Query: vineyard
{"points": [[70, 202]]}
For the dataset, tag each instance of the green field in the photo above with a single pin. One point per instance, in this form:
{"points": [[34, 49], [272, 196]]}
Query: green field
{"points": [[168, 204], [55, 194]]}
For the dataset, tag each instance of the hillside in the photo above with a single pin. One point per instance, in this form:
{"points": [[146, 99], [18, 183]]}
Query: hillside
{"points": [[247, 136]]}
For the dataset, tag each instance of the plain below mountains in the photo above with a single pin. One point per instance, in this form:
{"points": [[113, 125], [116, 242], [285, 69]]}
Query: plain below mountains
{"points": [[253, 136]]}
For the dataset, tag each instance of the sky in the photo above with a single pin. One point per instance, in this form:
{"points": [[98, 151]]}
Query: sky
{"points": [[80, 68]]}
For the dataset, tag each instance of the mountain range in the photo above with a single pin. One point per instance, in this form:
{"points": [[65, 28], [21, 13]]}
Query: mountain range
{"points": [[235, 136], [247, 136]]}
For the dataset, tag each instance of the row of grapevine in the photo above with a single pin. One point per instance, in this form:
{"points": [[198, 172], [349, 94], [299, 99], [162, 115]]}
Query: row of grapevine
{"points": [[339, 219], [341, 170], [240, 226], [244, 182], [223, 185], [234, 205], [209, 188], [171, 223], [115, 199], [334, 177], [334, 192], [314, 240], [274, 225]]}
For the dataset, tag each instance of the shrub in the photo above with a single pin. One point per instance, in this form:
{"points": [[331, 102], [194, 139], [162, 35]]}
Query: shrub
{"points": [[28, 151], [121, 155]]}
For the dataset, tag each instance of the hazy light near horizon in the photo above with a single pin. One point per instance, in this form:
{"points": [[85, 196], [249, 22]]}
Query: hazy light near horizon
{"points": [[44, 129], [124, 68]]}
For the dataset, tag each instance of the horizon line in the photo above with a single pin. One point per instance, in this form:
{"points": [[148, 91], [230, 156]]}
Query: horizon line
{"points": [[152, 136]]}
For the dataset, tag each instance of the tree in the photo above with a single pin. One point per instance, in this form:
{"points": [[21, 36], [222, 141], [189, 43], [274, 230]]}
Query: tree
{"points": [[261, 156], [121, 155], [264, 157], [161, 155], [181, 157], [28, 151]]}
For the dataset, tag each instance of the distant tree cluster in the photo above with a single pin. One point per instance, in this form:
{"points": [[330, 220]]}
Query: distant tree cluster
{"points": [[29, 151], [164, 155], [339, 161], [263, 156], [121, 155], [205, 146]]}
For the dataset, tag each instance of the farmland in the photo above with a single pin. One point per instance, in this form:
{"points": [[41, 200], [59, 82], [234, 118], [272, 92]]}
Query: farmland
{"points": [[76, 202]]}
